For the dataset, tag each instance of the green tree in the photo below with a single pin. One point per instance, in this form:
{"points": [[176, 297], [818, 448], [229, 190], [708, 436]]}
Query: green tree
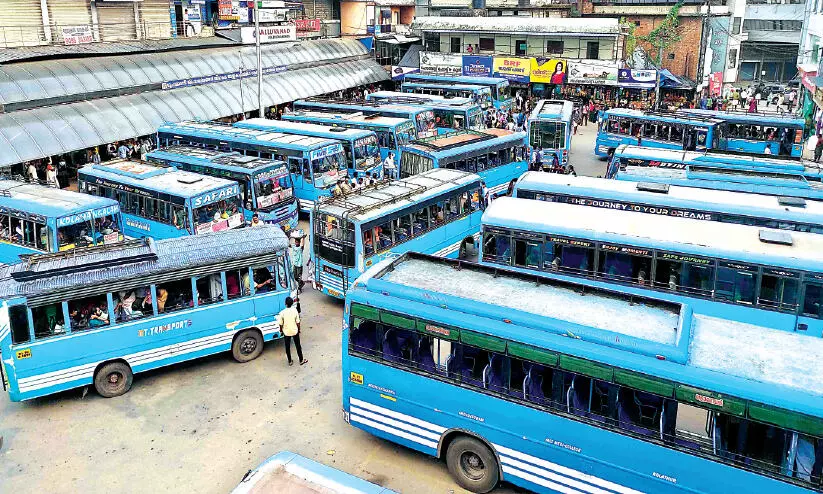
{"points": [[660, 38]]}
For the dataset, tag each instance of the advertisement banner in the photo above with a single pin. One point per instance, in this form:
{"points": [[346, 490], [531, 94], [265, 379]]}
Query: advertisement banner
{"points": [[308, 25], [269, 34], [397, 72], [432, 62], [77, 35], [477, 65], [511, 68], [592, 72], [718, 42], [273, 15], [638, 79], [228, 10], [548, 70], [716, 83]]}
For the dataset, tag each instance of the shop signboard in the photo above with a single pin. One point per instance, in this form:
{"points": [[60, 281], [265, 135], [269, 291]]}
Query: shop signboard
{"points": [[437, 63], [269, 34], [548, 70], [638, 79], [228, 10], [272, 15], [77, 35], [512, 68], [716, 83], [592, 72], [477, 65], [308, 25]]}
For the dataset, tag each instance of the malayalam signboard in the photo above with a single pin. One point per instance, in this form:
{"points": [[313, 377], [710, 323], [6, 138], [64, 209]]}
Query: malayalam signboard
{"points": [[512, 68], [716, 83], [308, 25], [477, 65], [77, 35], [269, 34], [432, 62], [548, 70], [638, 79], [592, 72]]}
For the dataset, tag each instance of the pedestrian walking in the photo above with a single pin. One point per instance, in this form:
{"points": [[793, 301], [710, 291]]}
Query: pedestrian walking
{"points": [[388, 166], [585, 111], [296, 254], [289, 321], [818, 148], [51, 177]]}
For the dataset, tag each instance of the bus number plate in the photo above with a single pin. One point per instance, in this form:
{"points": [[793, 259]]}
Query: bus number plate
{"points": [[356, 378], [21, 354]]}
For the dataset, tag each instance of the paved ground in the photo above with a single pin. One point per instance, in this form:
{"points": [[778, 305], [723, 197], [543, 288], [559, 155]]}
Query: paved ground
{"points": [[198, 427]]}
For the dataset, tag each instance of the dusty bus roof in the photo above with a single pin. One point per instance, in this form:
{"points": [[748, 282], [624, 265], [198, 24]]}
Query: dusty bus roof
{"points": [[48, 201], [706, 238], [358, 117]]}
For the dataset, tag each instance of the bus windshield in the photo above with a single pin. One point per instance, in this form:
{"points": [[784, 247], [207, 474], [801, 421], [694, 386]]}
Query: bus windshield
{"points": [[475, 119], [405, 133], [547, 134], [334, 244], [325, 169], [272, 188], [366, 152], [219, 216], [425, 122], [503, 93]]}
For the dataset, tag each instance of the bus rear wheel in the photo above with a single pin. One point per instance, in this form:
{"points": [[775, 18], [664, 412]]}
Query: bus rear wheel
{"points": [[113, 379], [248, 345], [472, 464]]}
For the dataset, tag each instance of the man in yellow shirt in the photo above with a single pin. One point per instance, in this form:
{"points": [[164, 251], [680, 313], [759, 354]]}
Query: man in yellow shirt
{"points": [[289, 320]]}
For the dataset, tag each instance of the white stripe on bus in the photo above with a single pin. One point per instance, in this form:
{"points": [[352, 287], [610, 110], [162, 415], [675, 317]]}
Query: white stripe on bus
{"points": [[393, 431], [395, 423], [537, 480], [552, 476], [397, 415]]}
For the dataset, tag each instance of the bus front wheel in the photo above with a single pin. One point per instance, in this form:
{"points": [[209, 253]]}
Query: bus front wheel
{"points": [[113, 379], [472, 464], [248, 345]]}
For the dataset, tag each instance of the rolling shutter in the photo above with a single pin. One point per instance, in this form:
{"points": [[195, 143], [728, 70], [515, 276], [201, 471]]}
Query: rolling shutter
{"points": [[22, 24], [155, 20], [116, 21], [68, 13]]}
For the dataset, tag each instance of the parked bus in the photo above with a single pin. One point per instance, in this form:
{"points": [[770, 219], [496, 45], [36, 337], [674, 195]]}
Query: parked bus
{"points": [[501, 94], [433, 212], [38, 219], [497, 155], [315, 164], [392, 133], [558, 387], [266, 184], [550, 131], [362, 152], [658, 130], [642, 156], [422, 117], [481, 95], [164, 202], [449, 113], [745, 273], [753, 133], [98, 316], [681, 202]]}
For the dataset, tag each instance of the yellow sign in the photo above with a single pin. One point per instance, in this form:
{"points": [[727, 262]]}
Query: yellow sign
{"points": [[21, 354], [356, 378], [512, 68], [551, 71]]}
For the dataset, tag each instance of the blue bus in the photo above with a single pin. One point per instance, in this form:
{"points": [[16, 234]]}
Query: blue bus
{"points": [[98, 316], [497, 155], [482, 95], [550, 131], [558, 387], [437, 211], [681, 202], [449, 113], [753, 133], [501, 94], [745, 273], [315, 164], [422, 117], [392, 132], [360, 146], [39, 219], [267, 186], [163, 202], [658, 130]]}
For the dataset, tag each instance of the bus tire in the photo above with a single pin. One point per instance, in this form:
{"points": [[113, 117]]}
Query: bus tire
{"points": [[247, 345], [113, 379], [472, 464]]}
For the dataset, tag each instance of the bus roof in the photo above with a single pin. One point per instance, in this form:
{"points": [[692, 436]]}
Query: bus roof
{"points": [[445, 85], [748, 118], [364, 106], [114, 265], [692, 198], [303, 128], [369, 203], [223, 132], [607, 327], [554, 109], [662, 116], [424, 99], [221, 160], [715, 158], [706, 238], [48, 201], [462, 78], [360, 117], [455, 143], [769, 182], [159, 178]]}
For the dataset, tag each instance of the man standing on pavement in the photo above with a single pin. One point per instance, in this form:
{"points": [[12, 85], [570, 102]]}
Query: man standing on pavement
{"points": [[296, 255], [818, 148], [289, 320]]}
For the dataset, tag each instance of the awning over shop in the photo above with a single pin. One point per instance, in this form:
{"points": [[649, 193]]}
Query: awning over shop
{"points": [[50, 130], [671, 81]]}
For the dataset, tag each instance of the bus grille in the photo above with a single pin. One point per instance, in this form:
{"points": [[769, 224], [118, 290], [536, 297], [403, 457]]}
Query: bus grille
{"points": [[330, 281]]}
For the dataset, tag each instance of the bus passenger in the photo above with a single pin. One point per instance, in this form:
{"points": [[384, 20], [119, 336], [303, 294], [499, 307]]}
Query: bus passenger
{"points": [[124, 308], [262, 280], [368, 245], [641, 277], [99, 317]]}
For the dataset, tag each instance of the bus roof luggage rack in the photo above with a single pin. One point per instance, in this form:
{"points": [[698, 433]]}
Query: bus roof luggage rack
{"points": [[775, 237], [352, 208], [74, 261], [797, 202], [430, 142], [688, 116], [338, 101], [653, 187]]}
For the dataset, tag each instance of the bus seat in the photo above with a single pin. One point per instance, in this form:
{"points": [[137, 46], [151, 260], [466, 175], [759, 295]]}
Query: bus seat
{"points": [[625, 421], [648, 407], [601, 393], [365, 337], [533, 386], [452, 367], [493, 374], [391, 347], [424, 356]]}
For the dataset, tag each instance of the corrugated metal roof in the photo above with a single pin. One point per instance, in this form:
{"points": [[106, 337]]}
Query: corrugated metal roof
{"points": [[153, 257]]}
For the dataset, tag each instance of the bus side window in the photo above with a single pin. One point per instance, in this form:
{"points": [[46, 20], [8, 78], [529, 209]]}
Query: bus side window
{"points": [[237, 283], [813, 300], [132, 304], [625, 267], [364, 337], [174, 296], [433, 354], [684, 276], [89, 312], [48, 320], [436, 214], [400, 345], [735, 284], [526, 253], [306, 171], [497, 248], [778, 292], [265, 279], [421, 221], [282, 269], [19, 322], [209, 289]]}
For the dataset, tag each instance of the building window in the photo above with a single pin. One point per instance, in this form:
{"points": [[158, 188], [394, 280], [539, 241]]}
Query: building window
{"points": [[732, 58], [736, 25], [593, 50], [671, 56], [554, 47], [637, 23], [520, 47], [431, 41], [772, 25], [486, 44], [455, 45]]}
